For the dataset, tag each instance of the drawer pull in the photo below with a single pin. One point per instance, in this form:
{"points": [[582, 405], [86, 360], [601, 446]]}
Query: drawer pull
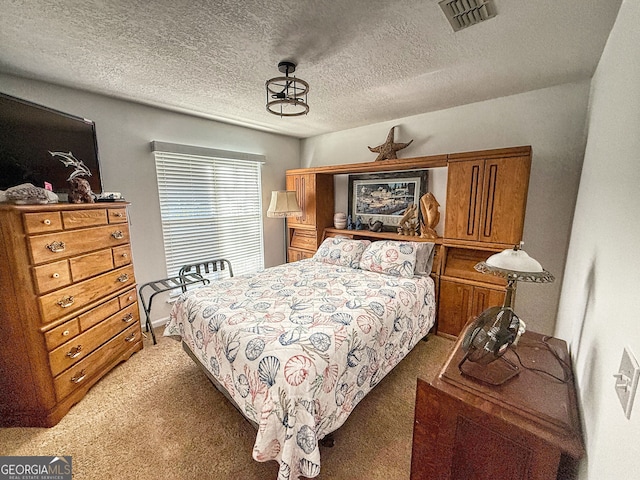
{"points": [[66, 301], [74, 352], [125, 255], [118, 235], [128, 317], [118, 214], [123, 278], [129, 298], [55, 275], [130, 338], [46, 221], [56, 247], [78, 378], [66, 333]]}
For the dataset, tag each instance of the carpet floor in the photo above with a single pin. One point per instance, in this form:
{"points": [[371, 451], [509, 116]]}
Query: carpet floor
{"points": [[157, 416]]}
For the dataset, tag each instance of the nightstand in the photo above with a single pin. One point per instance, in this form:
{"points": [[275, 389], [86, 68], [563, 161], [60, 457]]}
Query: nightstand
{"points": [[527, 428]]}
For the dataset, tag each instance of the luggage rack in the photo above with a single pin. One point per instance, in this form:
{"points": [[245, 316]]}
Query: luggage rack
{"points": [[164, 285]]}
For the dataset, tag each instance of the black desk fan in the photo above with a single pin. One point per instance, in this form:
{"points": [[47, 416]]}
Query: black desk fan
{"points": [[494, 331]]}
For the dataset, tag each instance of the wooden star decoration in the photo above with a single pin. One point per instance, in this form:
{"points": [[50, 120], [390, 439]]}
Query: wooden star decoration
{"points": [[387, 151]]}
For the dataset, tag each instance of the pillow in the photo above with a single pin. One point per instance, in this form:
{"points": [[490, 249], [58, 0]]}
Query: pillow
{"points": [[424, 257], [390, 257], [345, 252]]}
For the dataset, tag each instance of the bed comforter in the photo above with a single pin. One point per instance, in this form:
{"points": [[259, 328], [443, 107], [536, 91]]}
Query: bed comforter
{"points": [[299, 345]]}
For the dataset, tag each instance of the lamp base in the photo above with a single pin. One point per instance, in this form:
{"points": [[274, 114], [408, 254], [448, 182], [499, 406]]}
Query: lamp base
{"points": [[494, 373]]}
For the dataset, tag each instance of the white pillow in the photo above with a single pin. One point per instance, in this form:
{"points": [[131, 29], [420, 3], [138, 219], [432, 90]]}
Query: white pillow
{"points": [[390, 257], [345, 252]]}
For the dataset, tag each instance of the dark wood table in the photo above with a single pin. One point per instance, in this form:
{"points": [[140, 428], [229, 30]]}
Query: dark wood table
{"points": [[527, 428]]}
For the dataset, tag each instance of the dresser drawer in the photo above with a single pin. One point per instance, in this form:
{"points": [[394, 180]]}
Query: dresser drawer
{"points": [[86, 370], [42, 222], [96, 315], [54, 246], [61, 334], [82, 345], [117, 215], [83, 218], [91, 264], [304, 239], [51, 276], [75, 297], [127, 298], [121, 255]]}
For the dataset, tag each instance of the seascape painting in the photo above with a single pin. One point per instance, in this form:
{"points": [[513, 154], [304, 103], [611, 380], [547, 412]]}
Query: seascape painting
{"points": [[386, 196]]}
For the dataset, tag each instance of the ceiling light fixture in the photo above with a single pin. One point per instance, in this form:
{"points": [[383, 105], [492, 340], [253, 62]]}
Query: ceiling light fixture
{"points": [[287, 96]]}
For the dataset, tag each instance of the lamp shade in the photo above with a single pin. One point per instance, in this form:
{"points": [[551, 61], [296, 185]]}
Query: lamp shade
{"points": [[283, 204], [515, 264], [516, 260]]}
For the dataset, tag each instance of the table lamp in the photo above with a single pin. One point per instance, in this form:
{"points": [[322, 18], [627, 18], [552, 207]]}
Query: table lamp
{"points": [[489, 336]]}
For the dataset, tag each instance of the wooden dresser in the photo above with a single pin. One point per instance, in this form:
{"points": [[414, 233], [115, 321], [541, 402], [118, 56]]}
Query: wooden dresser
{"points": [[69, 310], [526, 429]]}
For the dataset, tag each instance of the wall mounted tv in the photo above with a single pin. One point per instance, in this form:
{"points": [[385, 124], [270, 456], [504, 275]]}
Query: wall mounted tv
{"points": [[28, 132]]}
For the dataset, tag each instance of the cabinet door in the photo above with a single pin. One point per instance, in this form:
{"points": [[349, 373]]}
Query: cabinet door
{"points": [[455, 306], [486, 199], [484, 298], [464, 191], [305, 187], [504, 197]]}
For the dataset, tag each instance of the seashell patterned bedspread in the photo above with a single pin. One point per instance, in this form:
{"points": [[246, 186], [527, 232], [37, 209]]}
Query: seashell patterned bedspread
{"points": [[297, 346]]}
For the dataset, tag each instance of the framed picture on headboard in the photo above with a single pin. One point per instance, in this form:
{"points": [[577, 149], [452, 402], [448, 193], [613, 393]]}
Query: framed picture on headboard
{"points": [[385, 196]]}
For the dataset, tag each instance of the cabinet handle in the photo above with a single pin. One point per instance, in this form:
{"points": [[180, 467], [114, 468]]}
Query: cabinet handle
{"points": [[66, 301], [127, 318], [125, 255], [123, 278], [55, 275], [74, 352], [130, 338], [78, 378], [118, 214], [129, 298], [66, 333], [118, 235], [46, 221], [56, 247]]}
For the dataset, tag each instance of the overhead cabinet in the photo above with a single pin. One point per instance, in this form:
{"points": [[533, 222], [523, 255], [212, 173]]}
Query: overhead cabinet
{"points": [[487, 195]]}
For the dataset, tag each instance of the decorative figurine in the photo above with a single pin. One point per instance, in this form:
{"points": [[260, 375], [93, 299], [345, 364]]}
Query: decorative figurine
{"points": [[430, 216], [387, 151], [375, 226], [349, 223], [409, 222], [80, 189], [359, 223]]}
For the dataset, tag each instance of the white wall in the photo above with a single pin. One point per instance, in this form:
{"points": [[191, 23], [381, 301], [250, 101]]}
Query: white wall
{"points": [[551, 120], [125, 130], [600, 305]]}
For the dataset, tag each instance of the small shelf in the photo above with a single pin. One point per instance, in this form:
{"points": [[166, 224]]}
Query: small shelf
{"points": [[379, 235]]}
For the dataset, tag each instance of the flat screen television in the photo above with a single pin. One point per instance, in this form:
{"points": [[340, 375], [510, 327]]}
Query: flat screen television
{"points": [[29, 132]]}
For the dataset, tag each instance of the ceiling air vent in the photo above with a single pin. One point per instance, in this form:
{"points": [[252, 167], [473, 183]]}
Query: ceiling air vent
{"points": [[464, 13]]}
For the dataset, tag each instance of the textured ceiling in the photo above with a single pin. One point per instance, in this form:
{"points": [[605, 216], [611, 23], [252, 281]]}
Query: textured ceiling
{"points": [[367, 61]]}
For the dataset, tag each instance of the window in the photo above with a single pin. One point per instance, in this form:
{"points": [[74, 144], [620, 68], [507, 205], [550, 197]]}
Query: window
{"points": [[211, 206]]}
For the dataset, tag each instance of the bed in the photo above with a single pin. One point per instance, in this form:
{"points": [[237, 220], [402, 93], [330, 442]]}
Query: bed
{"points": [[297, 346]]}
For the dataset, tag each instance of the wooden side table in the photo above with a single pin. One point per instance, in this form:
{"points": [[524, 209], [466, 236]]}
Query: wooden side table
{"points": [[527, 428]]}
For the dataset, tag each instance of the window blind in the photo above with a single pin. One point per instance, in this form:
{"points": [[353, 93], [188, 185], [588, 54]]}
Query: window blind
{"points": [[211, 206]]}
